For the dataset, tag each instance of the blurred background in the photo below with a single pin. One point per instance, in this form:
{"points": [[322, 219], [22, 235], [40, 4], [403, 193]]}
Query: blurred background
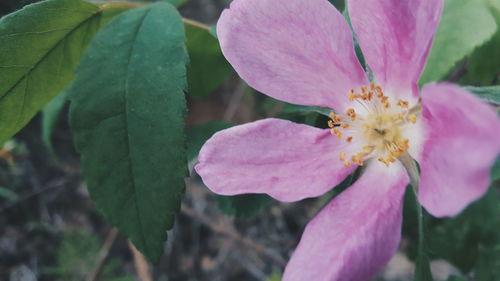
{"points": [[50, 230]]}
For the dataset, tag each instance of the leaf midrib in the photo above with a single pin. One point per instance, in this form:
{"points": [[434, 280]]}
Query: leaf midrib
{"points": [[127, 139]]}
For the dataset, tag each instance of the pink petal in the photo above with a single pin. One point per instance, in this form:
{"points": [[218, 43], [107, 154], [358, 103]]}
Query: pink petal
{"points": [[288, 161], [292, 50], [463, 142], [395, 37], [356, 234]]}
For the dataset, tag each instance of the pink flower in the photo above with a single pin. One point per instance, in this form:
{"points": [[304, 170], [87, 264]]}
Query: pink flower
{"points": [[301, 51]]}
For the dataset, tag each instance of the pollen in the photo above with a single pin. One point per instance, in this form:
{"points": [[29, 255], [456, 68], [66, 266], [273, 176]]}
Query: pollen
{"points": [[377, 126], [403, 103], [412, 118], [351, 113]]}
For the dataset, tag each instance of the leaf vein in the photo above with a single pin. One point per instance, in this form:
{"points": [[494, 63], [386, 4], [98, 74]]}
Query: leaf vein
{"points": [[127, 139]]}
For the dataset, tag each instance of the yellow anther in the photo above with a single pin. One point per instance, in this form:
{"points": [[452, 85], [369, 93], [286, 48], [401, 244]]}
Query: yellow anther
{"points": [[390, 159], [335, 117], [351, 113], [359, 156], [352, 96], [396, 154], [367, 149], [380, 129], [403, 103], [412, 118], [399, 116], [383, 161], [403, 145]]}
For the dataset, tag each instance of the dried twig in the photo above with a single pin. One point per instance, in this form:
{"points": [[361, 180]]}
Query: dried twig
{"points": [[140, 263], [232, 235], [60, 183], [103, 254]]}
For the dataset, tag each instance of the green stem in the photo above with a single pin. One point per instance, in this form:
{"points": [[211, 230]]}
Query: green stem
{"points": [[420, 218]]}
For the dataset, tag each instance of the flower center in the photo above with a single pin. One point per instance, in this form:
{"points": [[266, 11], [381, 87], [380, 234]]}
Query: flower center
{"points": [[377, 127]]}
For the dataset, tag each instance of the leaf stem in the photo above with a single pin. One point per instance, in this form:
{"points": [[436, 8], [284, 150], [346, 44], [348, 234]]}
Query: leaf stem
{"points": [[120, 5], [195, 23]]}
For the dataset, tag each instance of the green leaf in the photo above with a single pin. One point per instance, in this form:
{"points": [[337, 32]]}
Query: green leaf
{"points": [[40, 47], [456, 278], [490, 94], [464, 26], [422, 268], [339, 4], [487, 266], [302, 109], [176, 3], [208, 67], [199, 134], [245, 205], [8, 194], [495, 171], [484, 64], [459, 239], [275, 277], [129, 122], [50, 115]]}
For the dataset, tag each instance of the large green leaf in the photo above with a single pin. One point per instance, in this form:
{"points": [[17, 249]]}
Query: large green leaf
{"points": [[208, 67], [40, 47], [490, 94], [465, 25], [484, 64], [50, 116], [459, 240], [127, 109]]}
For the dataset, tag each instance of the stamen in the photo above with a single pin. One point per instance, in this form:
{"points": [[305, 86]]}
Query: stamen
{"points": [[403, 103], [351, 113], [378, 130], [367, 149], [412, 118]]}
